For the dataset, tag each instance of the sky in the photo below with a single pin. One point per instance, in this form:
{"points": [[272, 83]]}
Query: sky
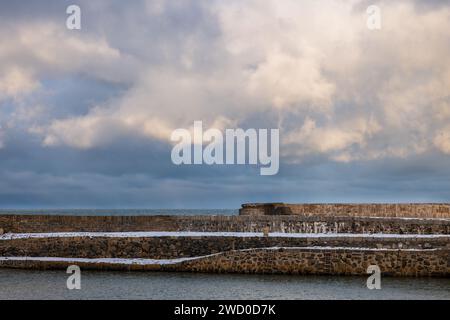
{"points": [[86, 115]]}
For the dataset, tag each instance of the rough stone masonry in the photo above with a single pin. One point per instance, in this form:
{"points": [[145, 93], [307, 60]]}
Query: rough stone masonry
{"points": [[339, 239]]}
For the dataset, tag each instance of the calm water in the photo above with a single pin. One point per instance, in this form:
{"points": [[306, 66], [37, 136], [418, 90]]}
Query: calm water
{"points": [[123, 212], [24, 284]]}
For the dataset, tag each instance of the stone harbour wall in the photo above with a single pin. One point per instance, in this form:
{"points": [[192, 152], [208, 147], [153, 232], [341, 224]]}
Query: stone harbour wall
{"points": [[339, 242], [408, 210], [285, 224], [63, 265], [323, 262], [416, 263], [180, 247]]}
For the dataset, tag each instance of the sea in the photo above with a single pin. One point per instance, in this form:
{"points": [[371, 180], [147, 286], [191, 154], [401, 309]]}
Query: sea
{"points": [[50, 285], [121, 212]]}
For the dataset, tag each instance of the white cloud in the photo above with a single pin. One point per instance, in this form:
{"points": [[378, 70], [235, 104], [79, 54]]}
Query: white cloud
{"points": [[16, 82], [311, 139], [340, 90], [442, 140], [36, 50], [287, 81]]}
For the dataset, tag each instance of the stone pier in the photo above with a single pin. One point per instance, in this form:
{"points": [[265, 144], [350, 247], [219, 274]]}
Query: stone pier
{"points": [[332, 239]]}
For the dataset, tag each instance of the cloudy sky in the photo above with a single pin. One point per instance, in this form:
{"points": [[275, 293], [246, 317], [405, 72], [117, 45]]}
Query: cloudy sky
{"points": [[86, 115]]}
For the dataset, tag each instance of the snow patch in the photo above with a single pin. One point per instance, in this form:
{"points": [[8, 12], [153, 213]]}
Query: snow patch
{"points": [[147, 234], [137, 261]]}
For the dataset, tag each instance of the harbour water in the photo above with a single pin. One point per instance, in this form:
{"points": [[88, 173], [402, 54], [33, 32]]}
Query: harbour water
{"points": [[28, 284]]}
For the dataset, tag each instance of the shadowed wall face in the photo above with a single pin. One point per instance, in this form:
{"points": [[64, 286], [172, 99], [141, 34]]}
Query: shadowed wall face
{"points": [[419, 210], [243, 223], [180, 247]]}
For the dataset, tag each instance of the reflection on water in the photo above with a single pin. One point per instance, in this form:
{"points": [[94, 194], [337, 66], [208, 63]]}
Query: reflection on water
{"points": [[26, 284]]}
